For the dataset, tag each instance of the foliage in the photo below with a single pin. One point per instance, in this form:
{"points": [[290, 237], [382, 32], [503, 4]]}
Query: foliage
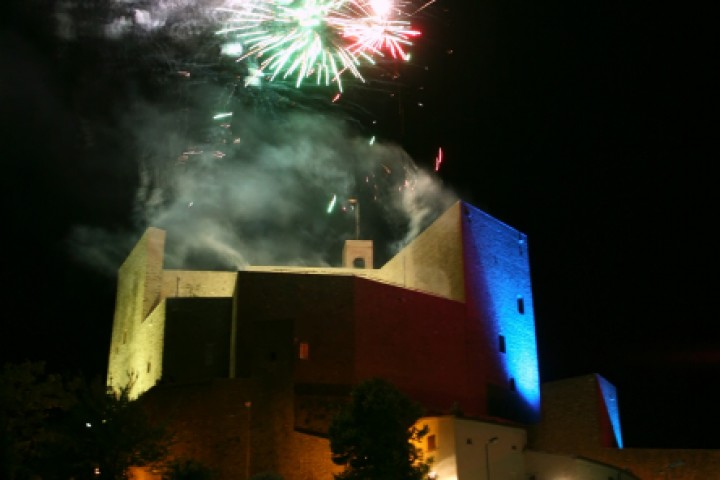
{"points": [[108, 433], [372, 436], [55, 427], [31, 400], [188, 470]]}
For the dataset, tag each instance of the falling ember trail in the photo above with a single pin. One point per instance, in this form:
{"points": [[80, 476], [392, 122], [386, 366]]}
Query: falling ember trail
{"points": [[331, 205], [438, 159]]}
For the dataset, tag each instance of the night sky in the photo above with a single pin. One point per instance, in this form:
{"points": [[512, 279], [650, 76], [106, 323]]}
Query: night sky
{"points": [[585, 125]]}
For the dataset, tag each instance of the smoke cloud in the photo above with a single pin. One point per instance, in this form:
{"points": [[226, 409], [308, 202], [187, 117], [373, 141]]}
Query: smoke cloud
{"points": [[254, 186]]}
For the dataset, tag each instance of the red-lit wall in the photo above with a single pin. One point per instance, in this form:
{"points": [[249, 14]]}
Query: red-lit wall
{"points": [[420, 343], [358, 329]]}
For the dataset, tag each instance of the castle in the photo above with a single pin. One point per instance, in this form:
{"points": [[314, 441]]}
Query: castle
{"points": [[248, 365]]}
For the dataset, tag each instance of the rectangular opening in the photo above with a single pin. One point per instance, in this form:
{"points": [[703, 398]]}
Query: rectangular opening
{"points": [[304, 351]]}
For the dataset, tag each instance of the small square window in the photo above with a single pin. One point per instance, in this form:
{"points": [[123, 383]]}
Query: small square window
{"points": [[304, 351], [469, 441]]}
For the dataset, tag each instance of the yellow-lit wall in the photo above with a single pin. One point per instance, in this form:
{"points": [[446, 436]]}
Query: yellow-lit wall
{"points": [[462, 445], [136, 346], [187, 283], [133, 343], [432, 262]]}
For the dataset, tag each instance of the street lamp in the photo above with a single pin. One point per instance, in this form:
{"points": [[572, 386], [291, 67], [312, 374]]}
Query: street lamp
{"points": [[248, 407], [487, 455], [356, 206]]}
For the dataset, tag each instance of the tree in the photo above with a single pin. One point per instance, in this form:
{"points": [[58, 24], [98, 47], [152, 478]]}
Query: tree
{"points": [[55, 427], [30, 402], [372, 435], [188, 470], [107, 433]]}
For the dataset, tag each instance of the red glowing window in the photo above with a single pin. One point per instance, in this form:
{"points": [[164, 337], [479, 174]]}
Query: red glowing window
{"points": [[431, 443], [304, 351]]}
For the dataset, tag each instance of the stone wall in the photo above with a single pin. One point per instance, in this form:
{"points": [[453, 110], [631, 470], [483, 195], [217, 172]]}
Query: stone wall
{"points": [[138, 293], [432, 262]]}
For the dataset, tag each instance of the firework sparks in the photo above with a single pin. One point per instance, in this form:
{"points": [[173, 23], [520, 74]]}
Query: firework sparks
{"points": [[320, 39], [375, 30], [331, 205], [438, 159]]}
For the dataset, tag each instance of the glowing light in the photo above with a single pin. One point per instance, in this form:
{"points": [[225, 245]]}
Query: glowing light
{"points": [[377, 32], [320, 39], [609, 395], [500, 287], [438, 159], [331, 206], [222, 115], [372, 140], [232, 49]]}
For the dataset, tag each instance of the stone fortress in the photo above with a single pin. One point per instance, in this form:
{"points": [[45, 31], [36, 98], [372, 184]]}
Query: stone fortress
{"points": [[248, 366]]}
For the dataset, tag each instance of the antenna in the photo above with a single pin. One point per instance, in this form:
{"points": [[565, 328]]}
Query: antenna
{"points": [[356, 206]]}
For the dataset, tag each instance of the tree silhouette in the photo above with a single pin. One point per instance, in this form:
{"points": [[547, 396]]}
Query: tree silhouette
{"points": [[372, 436], [55, 427]]}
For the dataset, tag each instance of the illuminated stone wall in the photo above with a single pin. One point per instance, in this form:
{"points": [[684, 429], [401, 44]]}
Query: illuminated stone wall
{"points": [[418, 342], [134, 343], [571, 416], [146, 358], [574, 421], [320, 308], [432, 262], [187, 283], [501, 321], [240, 428]]}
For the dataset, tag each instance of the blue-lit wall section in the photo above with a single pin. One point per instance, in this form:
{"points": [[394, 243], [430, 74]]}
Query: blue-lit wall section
{"points": [[499, 296], [612, 408]]}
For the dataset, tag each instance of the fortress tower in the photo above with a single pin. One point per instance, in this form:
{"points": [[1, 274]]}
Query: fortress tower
{"points": [[449, 320], [249, 365]]}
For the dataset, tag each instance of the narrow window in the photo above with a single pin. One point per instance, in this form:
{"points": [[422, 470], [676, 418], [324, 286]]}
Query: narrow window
{"points": [[521, 305], [149, 366], [501, 343], [304, 351], [513, 387], [431, 443], [469, 441], [124, 337]]}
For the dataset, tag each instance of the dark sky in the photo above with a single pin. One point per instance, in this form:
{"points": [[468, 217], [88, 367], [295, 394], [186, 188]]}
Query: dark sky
{"points": [[586, 125]]}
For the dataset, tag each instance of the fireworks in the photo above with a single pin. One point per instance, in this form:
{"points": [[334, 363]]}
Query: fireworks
{"points": [[438, 159], [316, 39]]}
